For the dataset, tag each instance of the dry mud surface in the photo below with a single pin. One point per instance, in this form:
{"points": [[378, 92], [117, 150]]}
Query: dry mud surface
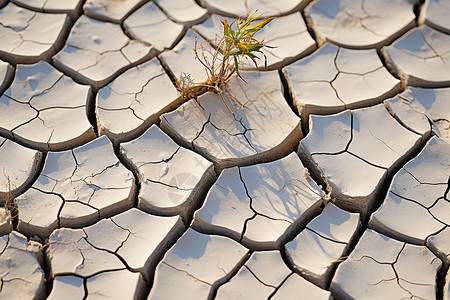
{"points": [[332, 182]]}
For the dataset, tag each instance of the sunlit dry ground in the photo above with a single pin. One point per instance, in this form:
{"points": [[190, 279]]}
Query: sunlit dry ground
{"points": [[331, 183]]}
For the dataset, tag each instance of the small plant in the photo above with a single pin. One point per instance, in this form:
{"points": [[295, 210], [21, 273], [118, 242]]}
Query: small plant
{"points": [[222, 61]]}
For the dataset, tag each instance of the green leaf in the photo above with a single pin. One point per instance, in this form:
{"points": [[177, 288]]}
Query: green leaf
{"points": [[243, 47], [236, 53], [250, 18], [236, 67], [226, 27], [254, 47], [260, 25]]}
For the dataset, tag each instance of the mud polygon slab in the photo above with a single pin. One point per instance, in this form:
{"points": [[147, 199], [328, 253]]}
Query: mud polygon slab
{"points": [[109, 283], [5, 222], [322, 243], [130, 239], [70, 7], [416, 108], [257, 204], [44, 109], [170, 176], [187, 11], [137, 98], [288, 35], [420, 57], [110, 11], [364, 145], [122, 284], [257, 279], [68, 287], [442, 129], [417, 203], [397, 270], [135, 237], [77, 188], [194, 264], [360, 24], [264, 125], [149, 24], [29, 36], [6, 75], [236, 8], [18, 168], [440, 243], [181, 58], [96, 52], [20, 272], [291, 287], [333, 79], [435, 14], [70, 253]]}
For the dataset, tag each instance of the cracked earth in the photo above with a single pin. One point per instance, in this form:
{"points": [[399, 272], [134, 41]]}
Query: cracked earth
{"points": [[331, 182]]}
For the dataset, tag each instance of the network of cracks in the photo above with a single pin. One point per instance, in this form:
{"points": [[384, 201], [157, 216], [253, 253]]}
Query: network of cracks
{"points": [[331, 182]]}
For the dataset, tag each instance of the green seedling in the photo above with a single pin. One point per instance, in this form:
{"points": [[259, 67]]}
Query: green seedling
{"points": [[222, 61], [240, 42]]}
